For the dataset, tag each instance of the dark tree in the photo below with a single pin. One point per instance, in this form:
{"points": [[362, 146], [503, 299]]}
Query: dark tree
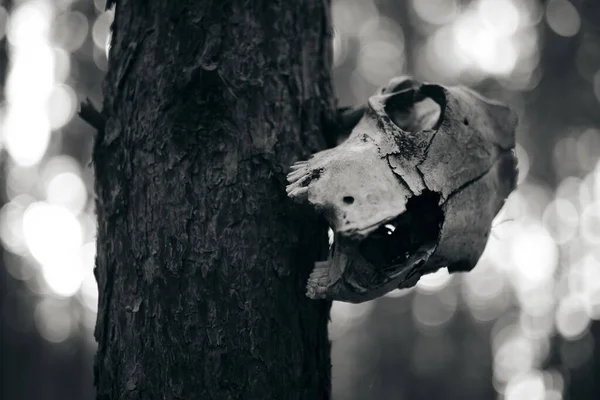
{"points": [[202, 260]]}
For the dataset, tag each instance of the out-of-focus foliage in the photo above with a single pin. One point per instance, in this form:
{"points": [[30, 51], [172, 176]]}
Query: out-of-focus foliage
{"points": [[57, 55], [522, 325]]}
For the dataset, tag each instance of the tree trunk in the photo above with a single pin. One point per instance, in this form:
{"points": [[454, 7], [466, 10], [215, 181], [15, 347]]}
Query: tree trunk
{"points": [[202, 260]]}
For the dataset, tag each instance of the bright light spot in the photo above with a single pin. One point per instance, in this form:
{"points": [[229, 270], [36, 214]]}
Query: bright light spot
{"points": [[433, 311], [491, 310], [29, 22], [61, 106], [572, 319], [561, 219], [514, 357], [437, 12], [523, 162], [53, 320], [500, 15], [537, 300], [64, 275], [62, 65], [504, 329], [345, 316], [31, 77], [381, 54], [11, 230], [26, 135], [490, 37], [529, 386], [380, 60], [534, 254], [26, 132], [70, 30], [569, 188], [107, 44], [530, 12], [587, 270], [330, 237], [440, 58], [67, 190], [508, 220], [485, 290], [54, 237], [20, 180], [485, 282], [562, 17], [434, 282], [101, 29], [537, 326], [483, 46], [590, 223]]}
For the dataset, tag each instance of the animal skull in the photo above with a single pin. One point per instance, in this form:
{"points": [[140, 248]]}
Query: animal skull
{"points": [[413, 189]]}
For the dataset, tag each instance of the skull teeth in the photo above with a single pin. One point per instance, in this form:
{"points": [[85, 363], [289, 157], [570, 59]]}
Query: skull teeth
{"points": [[298, 165], [297, 192], [318, 281], [298, 180], [296, 175], [390, 228]]}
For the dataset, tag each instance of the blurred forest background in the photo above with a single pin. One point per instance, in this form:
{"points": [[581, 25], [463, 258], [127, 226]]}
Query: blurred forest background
{"points": [[522, 325]]}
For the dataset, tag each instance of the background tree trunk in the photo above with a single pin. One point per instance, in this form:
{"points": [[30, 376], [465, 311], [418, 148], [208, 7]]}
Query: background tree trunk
{"points": [[202, 260]]}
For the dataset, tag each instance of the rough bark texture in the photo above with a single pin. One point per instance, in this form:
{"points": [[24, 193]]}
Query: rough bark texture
{"points": [[202, 260]]}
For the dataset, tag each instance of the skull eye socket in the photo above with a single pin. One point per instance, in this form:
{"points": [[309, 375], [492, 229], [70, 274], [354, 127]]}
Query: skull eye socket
{"points": [[418, 228], [400, 85], [417, 109]]}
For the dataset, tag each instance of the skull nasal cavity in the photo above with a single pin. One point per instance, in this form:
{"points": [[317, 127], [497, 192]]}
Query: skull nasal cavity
{"points": [[348, 199]]}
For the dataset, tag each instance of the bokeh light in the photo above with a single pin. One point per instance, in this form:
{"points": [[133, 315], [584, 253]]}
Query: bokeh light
{"points": [[437, 12], [53, 320], [562, 17], [434, 282], [527, 386]]}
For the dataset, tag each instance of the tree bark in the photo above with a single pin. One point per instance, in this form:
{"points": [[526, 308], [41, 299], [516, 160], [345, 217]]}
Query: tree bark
{"points": [[202, 260]]}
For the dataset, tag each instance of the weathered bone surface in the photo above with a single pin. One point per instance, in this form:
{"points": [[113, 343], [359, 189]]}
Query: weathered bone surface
{"points": [[413, 189]]}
